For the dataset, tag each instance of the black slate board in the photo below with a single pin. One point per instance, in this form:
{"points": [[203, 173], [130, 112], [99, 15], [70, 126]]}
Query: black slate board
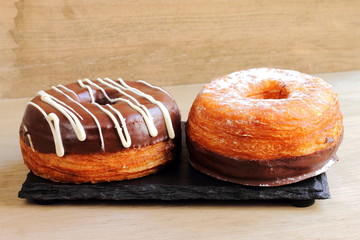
{"points": [[180, 181]]}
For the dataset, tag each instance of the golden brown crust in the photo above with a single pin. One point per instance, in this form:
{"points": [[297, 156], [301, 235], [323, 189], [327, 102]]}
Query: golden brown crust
{"points": [[100, 167], [243, 125], [237, 125]]}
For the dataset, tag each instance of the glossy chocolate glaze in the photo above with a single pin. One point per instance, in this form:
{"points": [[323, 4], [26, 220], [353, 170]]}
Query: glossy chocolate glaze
{"points": [[274, 172], [42, 139]]}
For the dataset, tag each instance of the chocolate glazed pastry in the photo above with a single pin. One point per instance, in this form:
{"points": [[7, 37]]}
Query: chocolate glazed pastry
{"points": [[100, 130], [264, 127]]}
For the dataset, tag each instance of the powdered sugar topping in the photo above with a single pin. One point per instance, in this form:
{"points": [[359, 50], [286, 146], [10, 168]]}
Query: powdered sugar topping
{"points": [[236, 87]]}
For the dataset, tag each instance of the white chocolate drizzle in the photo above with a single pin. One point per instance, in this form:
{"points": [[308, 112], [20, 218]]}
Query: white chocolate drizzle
{"points": [[62, 103], [29, 137], [67, 89], [124, 137], [144, 111], [164, 111], [137, 106], [115, 115], [73, 119], [92, 99], [54, 124], [86, 110]]}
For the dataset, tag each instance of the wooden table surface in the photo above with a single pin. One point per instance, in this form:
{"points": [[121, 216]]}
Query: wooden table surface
{"points": [[169, 42], [335, 218]]}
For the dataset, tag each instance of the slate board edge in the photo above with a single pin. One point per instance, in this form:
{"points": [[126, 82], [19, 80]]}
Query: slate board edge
{"points": [[49, 191]]}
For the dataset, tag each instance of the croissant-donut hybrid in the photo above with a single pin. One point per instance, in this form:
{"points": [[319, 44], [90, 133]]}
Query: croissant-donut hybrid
{"points": [[264, 127], [100, 131]]}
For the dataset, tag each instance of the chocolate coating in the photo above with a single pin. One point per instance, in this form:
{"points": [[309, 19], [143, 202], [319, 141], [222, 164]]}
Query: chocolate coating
{"points": [[267, 173], [42, 138]]}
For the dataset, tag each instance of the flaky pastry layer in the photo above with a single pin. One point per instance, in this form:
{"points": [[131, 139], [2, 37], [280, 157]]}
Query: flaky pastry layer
{"points": [[264, 114], [100, 167]]}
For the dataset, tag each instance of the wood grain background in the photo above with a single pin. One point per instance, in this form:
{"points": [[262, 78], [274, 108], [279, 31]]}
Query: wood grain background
{"points": [[167, 42]]}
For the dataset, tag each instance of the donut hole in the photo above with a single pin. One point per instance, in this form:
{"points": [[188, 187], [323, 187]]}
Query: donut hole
{"points": [[268, 89], [101, 99]]}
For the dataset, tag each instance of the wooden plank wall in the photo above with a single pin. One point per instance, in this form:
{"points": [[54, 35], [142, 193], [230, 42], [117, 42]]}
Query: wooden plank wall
{"points": [[167, 42]]}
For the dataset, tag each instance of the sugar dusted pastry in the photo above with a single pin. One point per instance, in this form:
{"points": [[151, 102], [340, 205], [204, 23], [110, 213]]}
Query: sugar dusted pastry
{"points": [[264, 127]]}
